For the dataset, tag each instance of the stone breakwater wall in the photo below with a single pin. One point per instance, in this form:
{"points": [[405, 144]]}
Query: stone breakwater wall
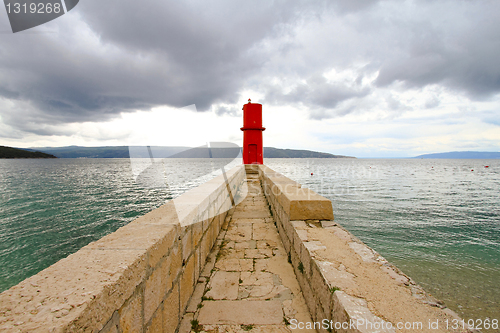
{"points": [[344, 281], [137, 279]]}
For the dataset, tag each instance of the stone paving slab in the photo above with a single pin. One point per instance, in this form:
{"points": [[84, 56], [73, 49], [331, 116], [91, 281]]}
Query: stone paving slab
{"points": [[249, 213], [224, 285], [241, 312]]}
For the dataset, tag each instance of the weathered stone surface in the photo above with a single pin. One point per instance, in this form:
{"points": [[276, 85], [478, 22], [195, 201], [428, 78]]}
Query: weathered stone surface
{"points": [[265, 231], [363, 251], [258, 253], [348, 308], [224, 285], [113, 325], [241, 312], [156, 325], [153, 294], [171, 311], [251, 213], [82, 290], [186, 283], [336, 277], [235, 265], [185, 325], [239, 232], [196, 297], [131, 315], [172, 265]]}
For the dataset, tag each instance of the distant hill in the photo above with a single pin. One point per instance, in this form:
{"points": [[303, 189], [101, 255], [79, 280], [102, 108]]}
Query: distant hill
{"points": [[175, 152], [270, 152], [108, 151], [463, 155], [9, 152]]}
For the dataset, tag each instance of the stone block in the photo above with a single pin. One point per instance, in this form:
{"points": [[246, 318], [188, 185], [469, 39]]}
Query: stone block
{"points": [[328, 224], [285, 241], [287, 228], [321, 289], [156, 325], [185, 325], [348, 307], [113, 325], [235, 265], [153, 294], [305, 258], [160, 249], [187, 243], [302, 234], [309, 296], [263, 231], [241, 313], [251, 214], [187, 283], [198, 266], [131, 315], [82, 290], [224, 285], [197, 233], [204, 250], [173, 265], [297, 243], [196, 297], [171, 311], [239, 232]]}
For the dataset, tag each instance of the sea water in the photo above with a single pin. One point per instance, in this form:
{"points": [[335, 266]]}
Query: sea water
{"points": [[437, 220]]}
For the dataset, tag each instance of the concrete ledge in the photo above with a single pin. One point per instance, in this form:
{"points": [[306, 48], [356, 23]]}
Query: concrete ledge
{"points": [[137, 279], [344, 281]]}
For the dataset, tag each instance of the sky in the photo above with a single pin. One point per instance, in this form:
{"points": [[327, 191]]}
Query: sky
{"points": [[351, 77]]}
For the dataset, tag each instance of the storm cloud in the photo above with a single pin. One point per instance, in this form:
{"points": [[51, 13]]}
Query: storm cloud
{"points": [[105, 58]]}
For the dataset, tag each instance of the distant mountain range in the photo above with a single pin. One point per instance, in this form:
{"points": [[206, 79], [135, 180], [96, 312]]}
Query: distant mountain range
{"points": [[174, 152], [9, 152], [270, 152], [463, 155]]}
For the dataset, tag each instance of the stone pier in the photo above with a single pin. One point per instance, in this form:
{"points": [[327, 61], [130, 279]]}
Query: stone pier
{"points": [[247, 283], [250, 250]]}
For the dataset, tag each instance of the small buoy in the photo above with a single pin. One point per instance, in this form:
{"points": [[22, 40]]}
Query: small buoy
{"points": [[486, 166], [471, 169], [311, 173]]}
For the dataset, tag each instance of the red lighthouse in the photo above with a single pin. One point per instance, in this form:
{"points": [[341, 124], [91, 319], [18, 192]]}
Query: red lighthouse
{"points": [[252, 133]]}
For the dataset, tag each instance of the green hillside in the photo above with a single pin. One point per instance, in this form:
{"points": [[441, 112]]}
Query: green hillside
{"points": [[9, 152]]}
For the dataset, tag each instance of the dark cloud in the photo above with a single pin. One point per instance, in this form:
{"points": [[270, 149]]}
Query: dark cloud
{"points": [[108, 57], [316, 93], [454, 44], [115, 56]]}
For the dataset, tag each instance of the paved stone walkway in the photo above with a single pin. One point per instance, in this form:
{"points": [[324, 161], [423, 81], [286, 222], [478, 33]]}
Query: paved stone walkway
{"points": [[247, 283]]}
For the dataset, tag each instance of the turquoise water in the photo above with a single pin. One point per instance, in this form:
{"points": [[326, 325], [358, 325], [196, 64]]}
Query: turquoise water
{"points": [[52, 208], [436, 220]]}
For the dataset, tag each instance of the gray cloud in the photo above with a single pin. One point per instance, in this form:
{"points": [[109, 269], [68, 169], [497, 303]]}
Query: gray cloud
{"points": [[116, 56], [316, 93], [451, 43]]}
